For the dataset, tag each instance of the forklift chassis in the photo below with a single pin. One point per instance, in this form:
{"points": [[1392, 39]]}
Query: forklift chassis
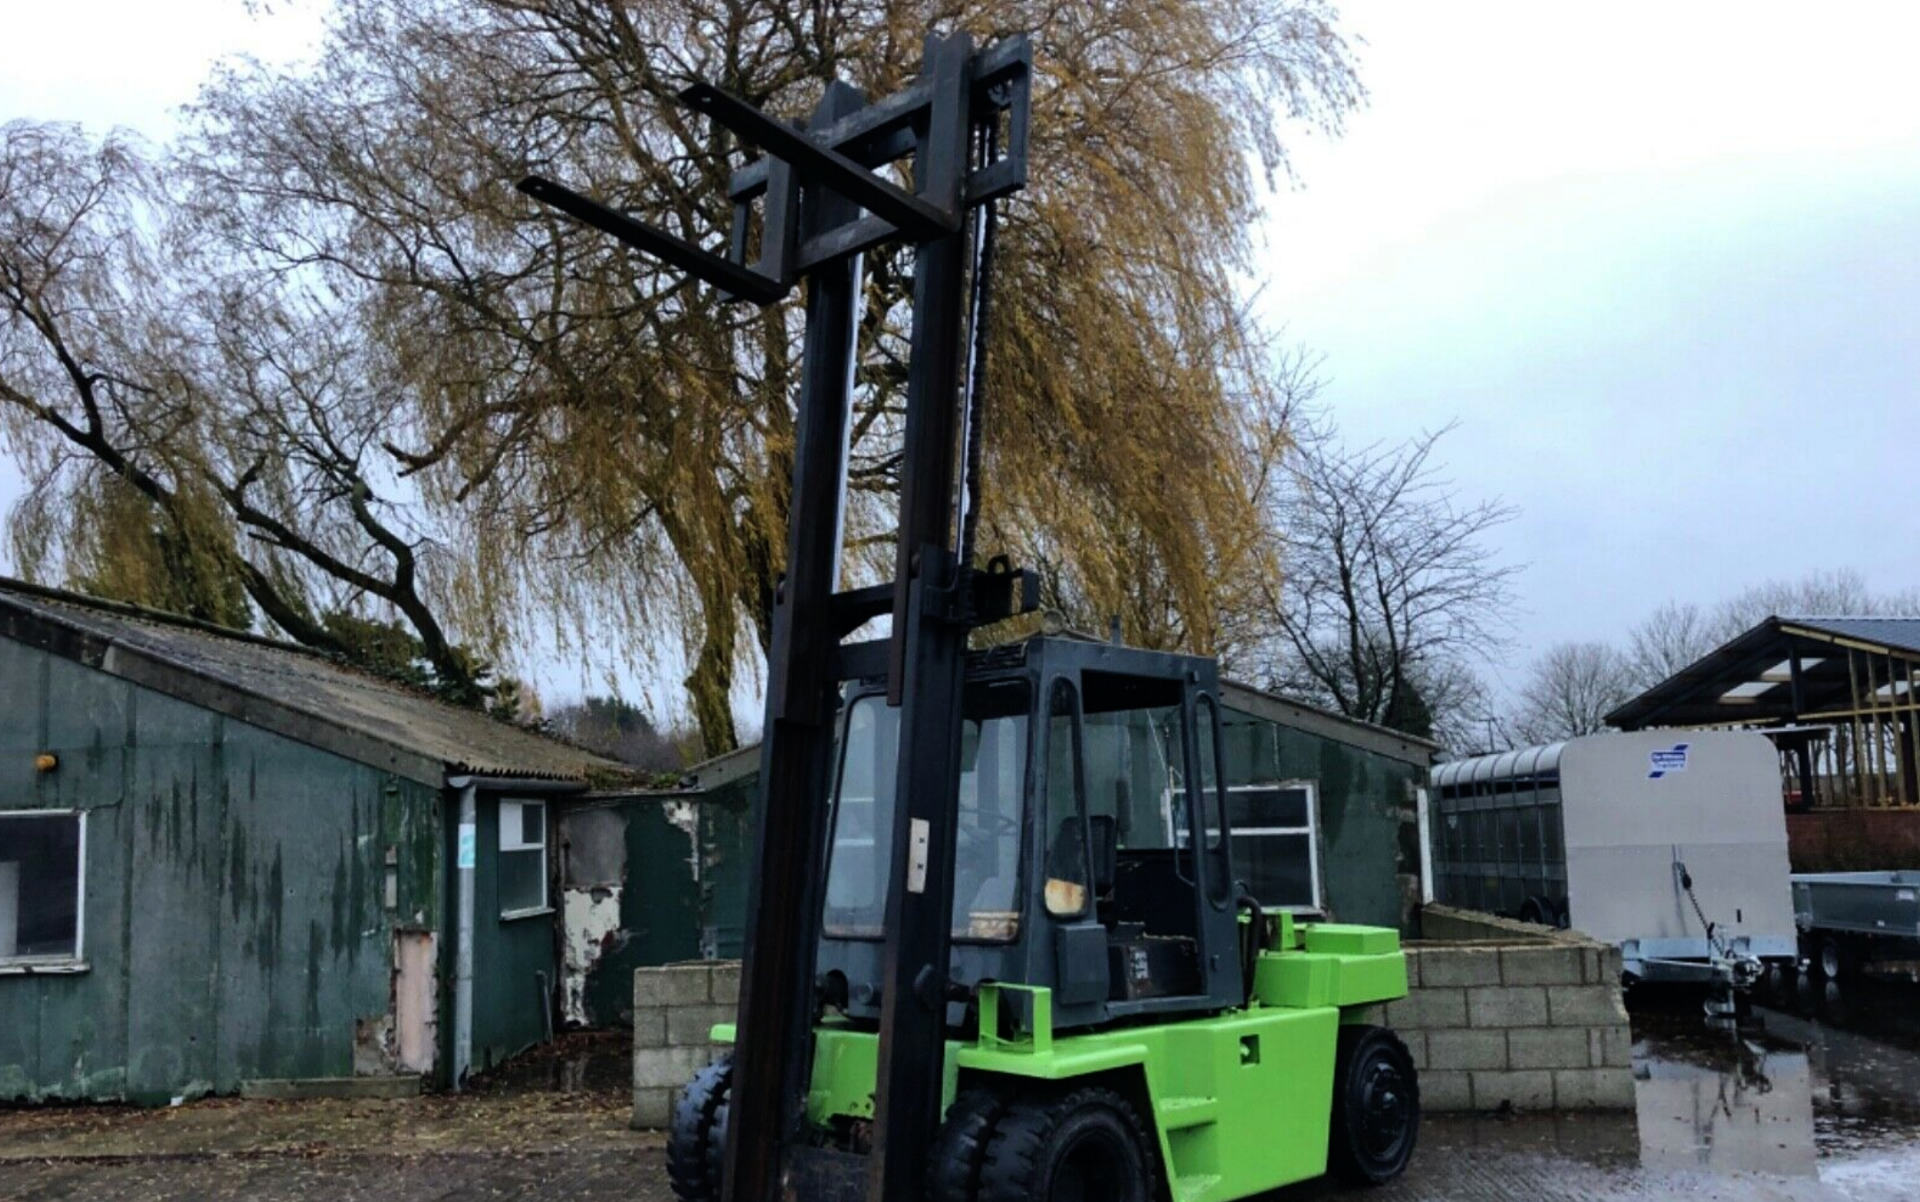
{"points": [[1215, 1108]]}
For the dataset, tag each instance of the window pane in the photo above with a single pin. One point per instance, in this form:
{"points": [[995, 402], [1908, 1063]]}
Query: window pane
{"points": [[1067, 876], [1278, 869], [1209, 803], [1128, 778], [993, 775], [1207, 778], [1267, 807], [863, 820], [533, 824], [523, 880], [39, 886]]}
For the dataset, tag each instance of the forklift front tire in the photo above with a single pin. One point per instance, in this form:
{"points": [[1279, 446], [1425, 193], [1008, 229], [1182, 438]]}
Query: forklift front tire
{"points": [[1376, 1107], [960, 1152], [697, 1141], [1089, 1144]]}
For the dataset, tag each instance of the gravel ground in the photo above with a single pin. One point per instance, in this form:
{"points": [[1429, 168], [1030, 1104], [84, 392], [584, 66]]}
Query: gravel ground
{"points": [[1818, 1102]]}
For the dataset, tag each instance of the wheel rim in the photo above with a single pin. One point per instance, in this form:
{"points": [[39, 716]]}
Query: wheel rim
{"points": [[1386, 1109], [1091, 1168]]}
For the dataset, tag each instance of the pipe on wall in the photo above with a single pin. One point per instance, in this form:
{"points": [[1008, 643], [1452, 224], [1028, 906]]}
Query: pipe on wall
{"points": [[466, 853]]}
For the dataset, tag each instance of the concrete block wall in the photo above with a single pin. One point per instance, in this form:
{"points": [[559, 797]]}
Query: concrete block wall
{"points": [[1530, 1025], [674, 1008], [1519, 1016]]}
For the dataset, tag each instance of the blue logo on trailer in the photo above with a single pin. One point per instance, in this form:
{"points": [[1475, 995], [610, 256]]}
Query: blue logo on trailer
{"points": [[1674, 759]]}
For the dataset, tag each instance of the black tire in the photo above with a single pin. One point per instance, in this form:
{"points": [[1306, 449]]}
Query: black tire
{"points": [[1834, 958], [960, 1151], [1376, 1107], [1088, 1146], [697, 1140]]}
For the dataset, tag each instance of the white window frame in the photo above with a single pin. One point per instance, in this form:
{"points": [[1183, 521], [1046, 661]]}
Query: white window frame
{"points": [[1311, 831], [511, 840], [77, 962]]}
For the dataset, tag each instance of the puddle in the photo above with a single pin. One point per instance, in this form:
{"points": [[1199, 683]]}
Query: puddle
{"points": [[1821, 1081], [1725, 1102]]}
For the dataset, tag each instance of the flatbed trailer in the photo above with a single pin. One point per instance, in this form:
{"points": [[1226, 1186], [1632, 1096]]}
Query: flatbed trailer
{"points": [[1848, 918]]}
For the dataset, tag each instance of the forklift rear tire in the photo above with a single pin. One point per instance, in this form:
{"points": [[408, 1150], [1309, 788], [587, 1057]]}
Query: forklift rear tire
{"points": [[697, 1141], [1376, 1107], [1089, 1146], [960, 1152]]}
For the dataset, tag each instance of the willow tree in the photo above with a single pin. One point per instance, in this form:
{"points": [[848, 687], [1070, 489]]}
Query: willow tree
{"points": [[612, 443], [196, 435]]}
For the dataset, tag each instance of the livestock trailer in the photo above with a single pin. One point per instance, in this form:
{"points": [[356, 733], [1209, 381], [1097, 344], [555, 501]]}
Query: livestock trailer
{"points": [[1672, 845]]}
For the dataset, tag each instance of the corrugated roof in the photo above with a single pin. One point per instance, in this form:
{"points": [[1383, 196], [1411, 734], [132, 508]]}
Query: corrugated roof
{"points": [[1896, 633], [292, 691], [1741, 681]]}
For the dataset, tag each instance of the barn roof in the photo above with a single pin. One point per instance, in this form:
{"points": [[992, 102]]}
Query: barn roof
{"points": [[1751, 678], [291, 691]]}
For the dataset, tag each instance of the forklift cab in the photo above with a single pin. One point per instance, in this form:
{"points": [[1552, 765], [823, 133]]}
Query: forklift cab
{"points": [[1091, 854]]}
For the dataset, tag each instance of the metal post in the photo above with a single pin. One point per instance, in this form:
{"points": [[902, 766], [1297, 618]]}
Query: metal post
{"points": [[464, 854], [813, 229], [927, 669], [770, 1067]]}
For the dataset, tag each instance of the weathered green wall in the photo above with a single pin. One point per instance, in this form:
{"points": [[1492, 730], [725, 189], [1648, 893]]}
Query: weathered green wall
{"points": [[673, 906], [514, 959], [234, 917], [1369, 832]]}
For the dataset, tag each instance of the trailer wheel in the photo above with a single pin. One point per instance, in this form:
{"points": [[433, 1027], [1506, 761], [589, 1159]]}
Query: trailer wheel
{"points": [[1376, 1107], [1089, 1146], [1836, 958], [960, 1151], [697, 1140]]}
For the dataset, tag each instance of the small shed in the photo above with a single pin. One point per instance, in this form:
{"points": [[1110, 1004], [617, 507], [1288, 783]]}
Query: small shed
{"points": [[226, 859], [1339, 837]]}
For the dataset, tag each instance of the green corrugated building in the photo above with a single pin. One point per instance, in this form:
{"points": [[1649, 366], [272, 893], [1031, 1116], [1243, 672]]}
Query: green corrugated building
{"points": [[225, 859]]}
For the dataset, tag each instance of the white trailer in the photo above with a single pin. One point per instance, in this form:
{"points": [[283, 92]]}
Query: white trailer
{"points": [[1671, 844]]}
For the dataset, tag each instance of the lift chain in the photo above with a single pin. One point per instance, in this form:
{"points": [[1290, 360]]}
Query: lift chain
{"points": [[987, 224]]}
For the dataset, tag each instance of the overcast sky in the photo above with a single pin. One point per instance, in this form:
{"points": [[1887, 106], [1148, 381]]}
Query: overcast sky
{"points": [[1658, 259]]}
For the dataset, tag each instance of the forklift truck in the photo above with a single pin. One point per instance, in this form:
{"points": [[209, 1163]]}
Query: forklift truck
{"points": [[995, 947], [1119, 1009]]}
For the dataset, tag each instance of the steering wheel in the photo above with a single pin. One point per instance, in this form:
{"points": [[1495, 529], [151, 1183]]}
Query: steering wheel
{"points": [[991, 824]]}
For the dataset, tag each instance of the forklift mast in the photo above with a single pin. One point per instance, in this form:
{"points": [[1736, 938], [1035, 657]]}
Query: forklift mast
{"points": [[819, 199]]}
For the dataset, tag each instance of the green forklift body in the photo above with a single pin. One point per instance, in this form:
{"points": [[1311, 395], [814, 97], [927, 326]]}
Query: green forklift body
{"points": [[1239, 1100]]}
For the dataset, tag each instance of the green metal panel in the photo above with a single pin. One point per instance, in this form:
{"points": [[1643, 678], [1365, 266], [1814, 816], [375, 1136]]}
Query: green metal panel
{"points": [[235, 924], [1369, 845], [659, 906], [726, 861], [1239, 1102], [688, 857], [514, 959]]}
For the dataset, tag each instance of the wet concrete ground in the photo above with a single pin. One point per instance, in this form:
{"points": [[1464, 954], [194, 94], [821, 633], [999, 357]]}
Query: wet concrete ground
{"points": [[1815, 1100]]}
